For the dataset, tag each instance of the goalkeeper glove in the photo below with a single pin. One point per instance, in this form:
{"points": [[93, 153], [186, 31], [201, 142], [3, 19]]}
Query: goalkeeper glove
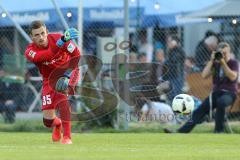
{"points": [[69, 34], [63, 82]]}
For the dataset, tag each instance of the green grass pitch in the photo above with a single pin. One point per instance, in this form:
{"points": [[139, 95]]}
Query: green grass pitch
{"points": [[120, 146]]}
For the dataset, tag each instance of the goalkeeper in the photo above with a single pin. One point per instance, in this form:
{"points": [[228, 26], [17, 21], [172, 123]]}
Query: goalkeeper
{"points": [[50, 52]]}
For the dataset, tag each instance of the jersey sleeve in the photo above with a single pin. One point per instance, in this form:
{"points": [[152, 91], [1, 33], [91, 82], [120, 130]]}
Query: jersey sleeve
{"points": [[68, 47], [74, 53], [71, 48], [36, 56]]}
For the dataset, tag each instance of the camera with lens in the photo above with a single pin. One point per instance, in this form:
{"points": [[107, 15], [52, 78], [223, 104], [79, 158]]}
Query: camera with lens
{"points": [[218, 55]]}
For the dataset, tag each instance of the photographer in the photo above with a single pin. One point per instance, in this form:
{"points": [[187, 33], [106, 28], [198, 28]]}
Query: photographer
{"points": [[224, 71]]}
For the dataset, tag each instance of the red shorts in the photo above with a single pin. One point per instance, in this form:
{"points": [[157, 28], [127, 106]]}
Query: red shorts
{"points": [[51, 99]]}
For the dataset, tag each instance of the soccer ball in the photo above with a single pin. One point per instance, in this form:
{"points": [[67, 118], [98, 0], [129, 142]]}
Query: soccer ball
{"points": [[183, 103]]}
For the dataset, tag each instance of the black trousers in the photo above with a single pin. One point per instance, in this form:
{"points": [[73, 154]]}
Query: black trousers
{"points": [[220, 100]]}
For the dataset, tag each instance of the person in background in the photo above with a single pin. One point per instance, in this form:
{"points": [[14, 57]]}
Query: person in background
{"points": [[142, 58], [204, 49], [159, 58], [157, 111], [133, 57], [174, 64], [146, 47], [8, 101], [133, 45], [190, 66]]}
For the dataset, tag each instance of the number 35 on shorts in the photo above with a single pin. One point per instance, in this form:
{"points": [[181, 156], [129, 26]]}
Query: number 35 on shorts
{"points": [[46, 100]]}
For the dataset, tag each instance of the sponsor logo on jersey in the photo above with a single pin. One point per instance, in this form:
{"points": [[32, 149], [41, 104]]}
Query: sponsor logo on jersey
{"points": [[53, 61], [32, 53], [70, 47]]}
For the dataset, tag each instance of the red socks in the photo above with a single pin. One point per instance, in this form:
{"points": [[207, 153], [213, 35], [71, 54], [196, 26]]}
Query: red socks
{"points": [[67, 128], [65, 115], [64, 119]]}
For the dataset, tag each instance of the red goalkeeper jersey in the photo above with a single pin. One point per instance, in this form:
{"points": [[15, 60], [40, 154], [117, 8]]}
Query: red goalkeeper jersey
{"points": [[52, 57]]}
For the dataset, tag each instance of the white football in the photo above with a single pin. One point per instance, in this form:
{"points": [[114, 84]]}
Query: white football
{"points": [[183, 103]]}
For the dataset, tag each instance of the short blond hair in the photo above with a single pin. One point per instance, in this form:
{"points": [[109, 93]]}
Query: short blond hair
{"points": [[35, 25]]}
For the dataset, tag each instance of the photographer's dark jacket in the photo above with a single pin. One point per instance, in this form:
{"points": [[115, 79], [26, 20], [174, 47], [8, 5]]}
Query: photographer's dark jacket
{"points": [[221, 81]]}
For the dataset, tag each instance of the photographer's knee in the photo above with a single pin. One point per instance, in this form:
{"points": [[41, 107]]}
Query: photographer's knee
{"points": [[222, 103]]}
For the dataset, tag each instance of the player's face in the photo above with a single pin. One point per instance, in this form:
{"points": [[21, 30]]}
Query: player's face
{"points": [[39, 36]]}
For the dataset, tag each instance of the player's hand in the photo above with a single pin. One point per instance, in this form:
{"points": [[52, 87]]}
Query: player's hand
{"points": [[62, 84], [70, 34]]}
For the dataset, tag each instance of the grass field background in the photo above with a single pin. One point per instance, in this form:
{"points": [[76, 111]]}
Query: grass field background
{"points": [[28, 140], [120, 146]]}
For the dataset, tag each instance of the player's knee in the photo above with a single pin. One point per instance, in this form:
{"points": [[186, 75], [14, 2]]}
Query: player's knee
{"points": [[48, 122]]}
